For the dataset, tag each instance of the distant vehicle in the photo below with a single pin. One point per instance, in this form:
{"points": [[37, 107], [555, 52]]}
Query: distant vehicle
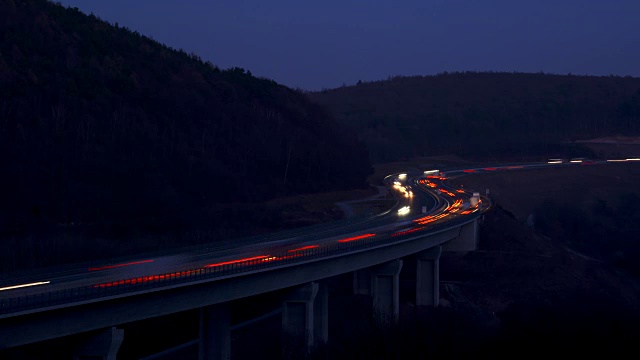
{"points": [[473, 201]]}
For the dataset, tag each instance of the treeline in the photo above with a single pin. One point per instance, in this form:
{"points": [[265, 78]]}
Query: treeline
{"points": [[102, 125], [487, 114]]}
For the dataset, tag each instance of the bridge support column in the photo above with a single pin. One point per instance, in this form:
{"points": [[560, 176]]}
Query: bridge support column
{"points": [[103, 346], [467, 239], [362, 282], [215, 332], [385, 290], [321, 315], [305, 315], [428, 277]]}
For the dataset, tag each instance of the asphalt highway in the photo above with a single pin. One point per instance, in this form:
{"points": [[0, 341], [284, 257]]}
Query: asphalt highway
{"points": [[425, 202]]}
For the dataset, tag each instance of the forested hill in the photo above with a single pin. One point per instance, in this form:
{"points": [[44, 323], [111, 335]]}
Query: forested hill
{"points": [[487, 114], [99, 123]]}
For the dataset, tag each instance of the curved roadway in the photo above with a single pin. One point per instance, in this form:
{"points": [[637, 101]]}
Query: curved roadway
{"points": [[432, 204]]}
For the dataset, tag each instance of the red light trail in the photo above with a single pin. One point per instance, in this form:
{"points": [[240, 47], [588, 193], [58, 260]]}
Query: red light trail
{"points": [[304, 248], [119, 265], [356, 238], [261, 257]]}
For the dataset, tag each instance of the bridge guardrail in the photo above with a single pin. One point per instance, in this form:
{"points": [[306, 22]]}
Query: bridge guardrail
{"points": [[329, 228], [97, 291]]}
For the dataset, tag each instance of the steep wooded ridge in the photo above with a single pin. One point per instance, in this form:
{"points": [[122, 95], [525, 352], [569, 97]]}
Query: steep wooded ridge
{"points": [[485, 113], [100, 124]]}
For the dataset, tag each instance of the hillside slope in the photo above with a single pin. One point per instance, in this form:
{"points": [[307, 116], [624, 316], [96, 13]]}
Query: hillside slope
{"points": [[484, 114], [102, 125]]}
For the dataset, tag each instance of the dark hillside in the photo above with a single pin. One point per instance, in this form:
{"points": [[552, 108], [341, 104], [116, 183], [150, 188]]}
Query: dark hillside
{"points": [[485, 114], [101, 125]]}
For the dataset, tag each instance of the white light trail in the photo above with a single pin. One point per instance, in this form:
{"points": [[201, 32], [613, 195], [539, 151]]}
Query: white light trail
{"points": [[24, 285]]}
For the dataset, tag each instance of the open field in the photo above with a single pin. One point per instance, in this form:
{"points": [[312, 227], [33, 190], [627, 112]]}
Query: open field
{"points": [[521, 191], [613, 146]]}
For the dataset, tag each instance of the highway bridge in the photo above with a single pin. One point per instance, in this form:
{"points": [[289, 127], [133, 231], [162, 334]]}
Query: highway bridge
{"points": [[430, 217]]}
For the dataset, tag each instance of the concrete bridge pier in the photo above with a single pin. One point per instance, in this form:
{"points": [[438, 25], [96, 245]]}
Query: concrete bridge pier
{"points": [[385, 290], [467, 239], [321, 315], [103, 346], [428, 277], [215, 332], [362, 282], [305, 315]]}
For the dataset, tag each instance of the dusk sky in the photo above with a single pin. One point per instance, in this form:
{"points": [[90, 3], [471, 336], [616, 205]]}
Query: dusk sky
{"points": [[314, 44]]}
